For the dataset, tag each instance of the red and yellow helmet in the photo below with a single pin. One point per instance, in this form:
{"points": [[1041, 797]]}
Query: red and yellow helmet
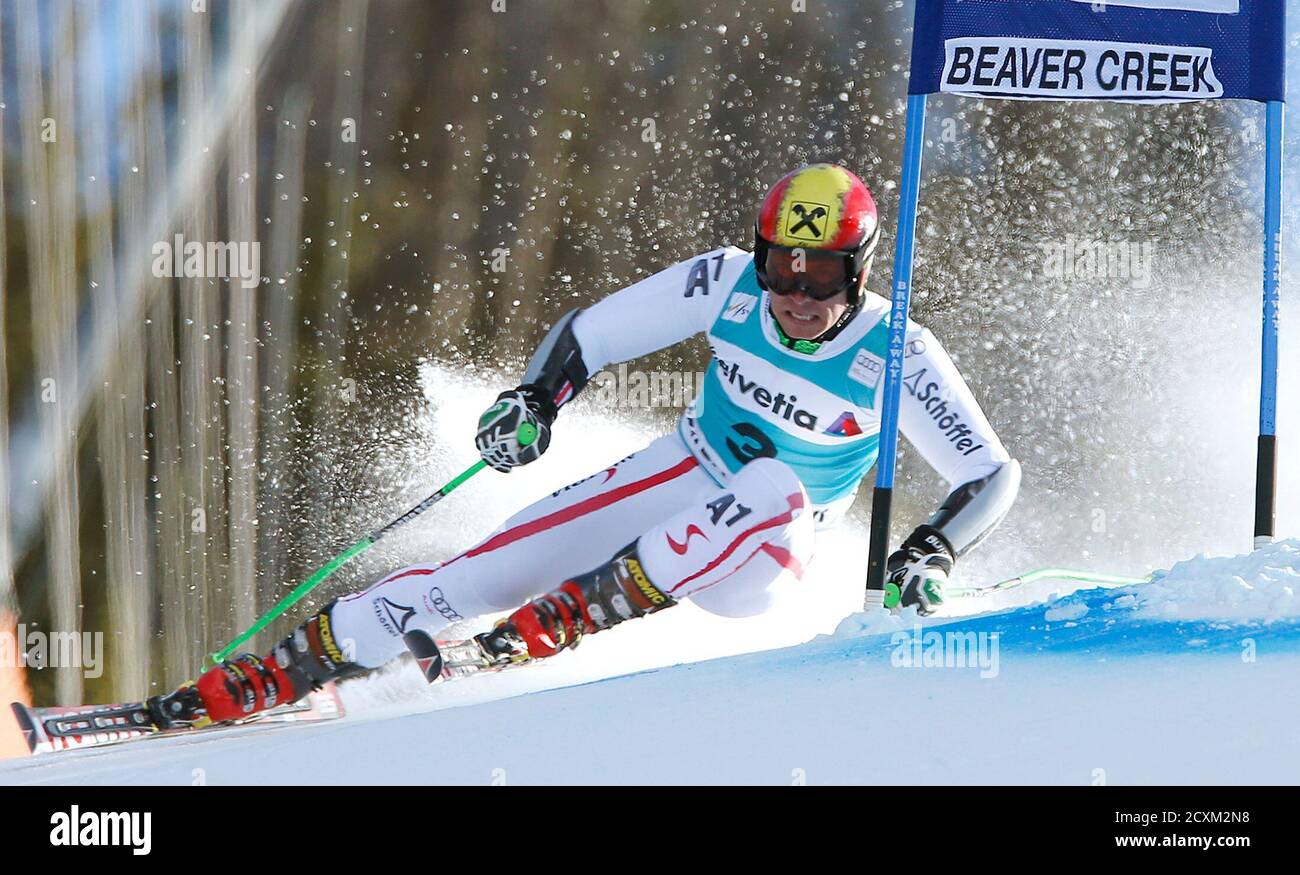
{"points": [[823, 207]]}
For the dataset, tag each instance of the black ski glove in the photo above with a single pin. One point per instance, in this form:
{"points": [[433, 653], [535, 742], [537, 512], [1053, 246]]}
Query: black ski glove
{"points": [[918, 571], [516, 429]]}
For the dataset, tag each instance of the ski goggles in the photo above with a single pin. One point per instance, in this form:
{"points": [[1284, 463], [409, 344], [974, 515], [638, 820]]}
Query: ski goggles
{"points": [[818, 273]]}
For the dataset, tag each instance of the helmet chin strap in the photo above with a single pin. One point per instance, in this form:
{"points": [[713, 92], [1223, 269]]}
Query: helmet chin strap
{"points": [[811, 346], [845, 318]]}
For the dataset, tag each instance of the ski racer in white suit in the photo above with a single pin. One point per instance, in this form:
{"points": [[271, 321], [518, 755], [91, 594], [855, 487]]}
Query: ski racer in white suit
{"points": [[724, 510]]}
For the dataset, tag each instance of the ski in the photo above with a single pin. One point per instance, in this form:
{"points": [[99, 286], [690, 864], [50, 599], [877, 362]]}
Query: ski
{"points": [[53, 729]]}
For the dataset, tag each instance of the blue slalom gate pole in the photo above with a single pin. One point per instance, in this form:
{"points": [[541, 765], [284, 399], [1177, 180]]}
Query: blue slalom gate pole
{"points": [[909, 194], [1266, 458]]}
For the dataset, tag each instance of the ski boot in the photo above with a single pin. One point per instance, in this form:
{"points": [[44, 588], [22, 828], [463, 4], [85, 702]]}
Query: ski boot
{"points": [[249, 684], [616, 591], [179, 709]]}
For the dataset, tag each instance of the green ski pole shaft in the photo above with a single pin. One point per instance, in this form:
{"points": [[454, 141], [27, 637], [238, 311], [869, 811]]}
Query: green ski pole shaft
{"points": [[322, 573]]}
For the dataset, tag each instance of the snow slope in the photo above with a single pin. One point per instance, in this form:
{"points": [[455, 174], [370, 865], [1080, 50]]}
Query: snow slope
{"points": [[1188, 679]]}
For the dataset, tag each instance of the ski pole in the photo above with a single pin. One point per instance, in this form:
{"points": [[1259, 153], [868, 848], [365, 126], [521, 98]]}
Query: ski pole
{"points": [[1050, 574], [526, 435]]}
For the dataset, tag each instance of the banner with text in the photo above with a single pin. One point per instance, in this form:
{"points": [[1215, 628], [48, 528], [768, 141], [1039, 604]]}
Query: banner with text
{"points": [[1130, 50]]}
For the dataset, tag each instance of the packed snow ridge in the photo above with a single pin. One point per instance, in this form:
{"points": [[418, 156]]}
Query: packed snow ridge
{"points": [[1257, 587]]}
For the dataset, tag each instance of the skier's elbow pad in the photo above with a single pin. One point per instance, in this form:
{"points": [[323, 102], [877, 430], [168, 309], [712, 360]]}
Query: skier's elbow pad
{"points": [[557, 368], [973, 510]]}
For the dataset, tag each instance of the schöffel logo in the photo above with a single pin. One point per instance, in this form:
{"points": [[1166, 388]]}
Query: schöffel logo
{"points": [[781, 406], [393, 616], [931, 395]]}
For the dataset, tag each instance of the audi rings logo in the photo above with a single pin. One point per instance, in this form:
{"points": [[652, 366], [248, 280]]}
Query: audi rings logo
{"points": [[435, 601]]}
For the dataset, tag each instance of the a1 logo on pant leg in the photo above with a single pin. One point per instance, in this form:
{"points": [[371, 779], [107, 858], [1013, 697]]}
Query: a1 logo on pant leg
{"points": [[722, 504], [724, 509]]}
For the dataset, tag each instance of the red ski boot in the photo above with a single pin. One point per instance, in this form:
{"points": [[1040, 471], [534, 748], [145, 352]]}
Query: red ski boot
{"points": [[249, 684], [616, 591]]}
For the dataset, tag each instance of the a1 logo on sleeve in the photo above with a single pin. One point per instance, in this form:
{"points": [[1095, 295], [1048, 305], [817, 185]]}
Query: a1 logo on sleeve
{"points": [[867, 368], [739, 307]]}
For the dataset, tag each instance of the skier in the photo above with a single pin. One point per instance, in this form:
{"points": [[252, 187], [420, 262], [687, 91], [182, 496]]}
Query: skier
{"points": [[722, 512]]}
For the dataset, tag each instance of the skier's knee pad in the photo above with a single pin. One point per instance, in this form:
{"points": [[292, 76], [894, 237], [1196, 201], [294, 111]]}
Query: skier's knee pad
{"points": [[756, 587], [772, 483], [780, 550]]}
